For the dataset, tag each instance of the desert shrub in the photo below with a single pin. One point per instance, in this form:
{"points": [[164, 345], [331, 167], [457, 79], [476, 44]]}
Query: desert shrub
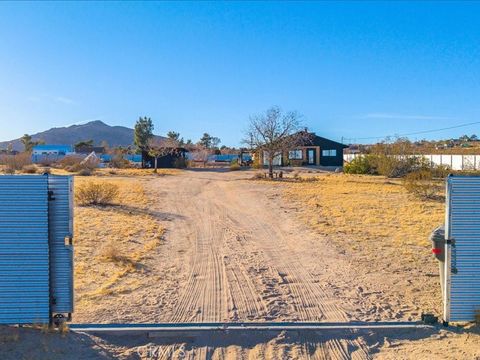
{"points": [[29, 169], [420, 183], [110, 253], [234, 166], [69, 162], [9, 170], [119, 162], [180, 163], [85, 172], [440, 171], [16, 162], [395, 166], [75, 163], [96, 193], [256, 163], [361, 165], [82, 169], [296, 162], [258, 176]]}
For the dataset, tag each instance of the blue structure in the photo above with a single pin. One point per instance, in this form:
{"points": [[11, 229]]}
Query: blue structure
{"points": [[36, 251], [50, 153], [137, 158]]}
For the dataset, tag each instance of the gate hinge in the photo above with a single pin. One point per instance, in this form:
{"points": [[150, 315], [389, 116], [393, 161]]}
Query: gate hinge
{"points": [[50, 195]]}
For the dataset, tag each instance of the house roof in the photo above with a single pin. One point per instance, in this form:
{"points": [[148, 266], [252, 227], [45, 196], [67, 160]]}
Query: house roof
{"points": [[322, 142], [89, 149], [52, 147], [318, 140]]}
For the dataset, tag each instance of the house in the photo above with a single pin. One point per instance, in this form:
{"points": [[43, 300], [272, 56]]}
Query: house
{"points": [[175, 158], [50, 153], [318, 151]]}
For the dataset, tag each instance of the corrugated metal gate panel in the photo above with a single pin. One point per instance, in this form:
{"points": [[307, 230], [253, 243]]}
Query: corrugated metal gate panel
{"points": [[61, 253], [24, 254], [463, 258]]}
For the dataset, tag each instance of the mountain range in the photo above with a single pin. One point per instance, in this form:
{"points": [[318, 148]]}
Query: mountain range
{"points": [[95, 130]]}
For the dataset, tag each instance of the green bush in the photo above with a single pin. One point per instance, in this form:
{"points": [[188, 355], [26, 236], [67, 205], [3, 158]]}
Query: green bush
{"points": [[394, 166], [364, 164]]}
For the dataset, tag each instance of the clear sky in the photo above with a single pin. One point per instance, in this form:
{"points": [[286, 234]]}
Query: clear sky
{"points": [[352, 69]]}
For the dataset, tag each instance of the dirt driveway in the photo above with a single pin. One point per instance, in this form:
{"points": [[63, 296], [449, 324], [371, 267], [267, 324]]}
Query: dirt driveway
{"points": [[241, 254], [235, 250]]}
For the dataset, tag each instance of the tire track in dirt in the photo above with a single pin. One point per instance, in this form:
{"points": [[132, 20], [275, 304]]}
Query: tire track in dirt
{"points": [[243, 265]]}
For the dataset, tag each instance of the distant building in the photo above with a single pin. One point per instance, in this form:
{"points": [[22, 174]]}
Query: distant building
{"points": [[170, 160], [87, 149], [50, 153]]}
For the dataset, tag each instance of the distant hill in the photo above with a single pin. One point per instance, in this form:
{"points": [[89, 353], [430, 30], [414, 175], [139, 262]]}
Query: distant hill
{"points": [[96, 130]]}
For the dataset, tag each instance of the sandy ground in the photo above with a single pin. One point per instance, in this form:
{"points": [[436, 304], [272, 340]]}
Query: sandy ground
{"points": [[236, 250]]}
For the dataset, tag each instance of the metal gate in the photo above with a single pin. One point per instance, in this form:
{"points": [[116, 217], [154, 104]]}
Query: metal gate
{"points": [[36, 264], [60, 221], [462, 249]]}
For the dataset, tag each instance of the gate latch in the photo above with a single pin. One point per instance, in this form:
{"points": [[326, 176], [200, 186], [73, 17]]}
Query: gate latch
{"points": [[450, 242]]}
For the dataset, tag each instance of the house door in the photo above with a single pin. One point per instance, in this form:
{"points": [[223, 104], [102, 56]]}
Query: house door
{"points": [[311, 156]]}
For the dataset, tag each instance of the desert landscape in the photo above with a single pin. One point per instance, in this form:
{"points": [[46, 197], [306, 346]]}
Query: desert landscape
{"points": [[243, 180], [211, 245]]}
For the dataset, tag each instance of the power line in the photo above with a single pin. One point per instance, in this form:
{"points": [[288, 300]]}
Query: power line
{"points": [[415, 133]]}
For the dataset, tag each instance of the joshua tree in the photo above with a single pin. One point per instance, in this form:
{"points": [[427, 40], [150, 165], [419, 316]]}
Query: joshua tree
{"points": [[143, 133]]}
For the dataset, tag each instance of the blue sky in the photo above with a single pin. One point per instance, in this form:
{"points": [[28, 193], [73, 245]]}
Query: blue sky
{"points": [[353, 70]]}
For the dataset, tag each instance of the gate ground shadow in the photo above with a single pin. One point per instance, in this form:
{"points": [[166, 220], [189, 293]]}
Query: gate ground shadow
{"points": [[372, 339]]}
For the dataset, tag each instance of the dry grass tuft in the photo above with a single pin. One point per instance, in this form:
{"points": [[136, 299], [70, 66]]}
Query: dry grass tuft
{"points": [[111, 253]]}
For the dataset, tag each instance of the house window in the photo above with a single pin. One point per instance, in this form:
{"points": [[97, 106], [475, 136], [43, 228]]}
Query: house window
{"points": [[329, 152], [295, 155]]}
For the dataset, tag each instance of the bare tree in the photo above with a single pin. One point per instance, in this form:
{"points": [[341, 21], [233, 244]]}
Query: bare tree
{"points": [[275, 133], [161, 147]]}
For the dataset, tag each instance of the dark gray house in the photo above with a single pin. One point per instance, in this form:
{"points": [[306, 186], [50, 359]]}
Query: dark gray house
{"points": [[319, 151]]}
